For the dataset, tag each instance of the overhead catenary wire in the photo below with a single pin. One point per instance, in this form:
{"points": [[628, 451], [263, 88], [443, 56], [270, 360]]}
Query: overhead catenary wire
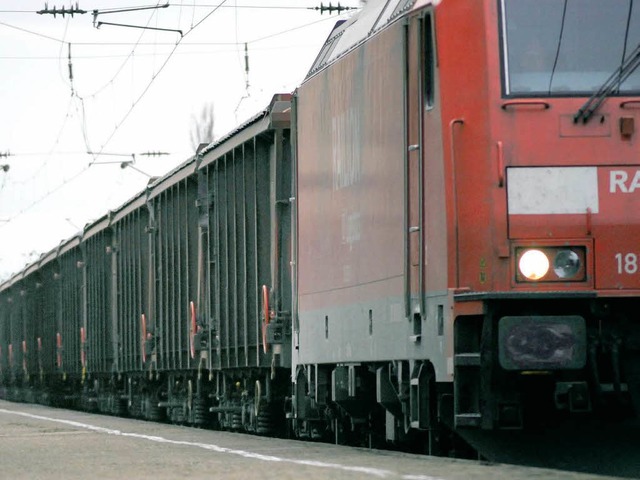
{"points": [[61, 50], [193, 5], [80, 108], [115, 44], [31, 32], [42, 167], [48, 153], [231, 48], [10, 218], [154, 77], [136, 101], [124, 63]]}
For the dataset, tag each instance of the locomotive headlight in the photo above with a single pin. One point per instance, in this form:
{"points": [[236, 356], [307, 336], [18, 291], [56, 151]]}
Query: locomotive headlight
{"points": [[550, 264], [566, 264], [542, 342], [533, 264]]}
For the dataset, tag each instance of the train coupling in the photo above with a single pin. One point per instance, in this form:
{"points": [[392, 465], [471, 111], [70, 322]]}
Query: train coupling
{"points": [[275, 333], [201, 340], [279, 328]]}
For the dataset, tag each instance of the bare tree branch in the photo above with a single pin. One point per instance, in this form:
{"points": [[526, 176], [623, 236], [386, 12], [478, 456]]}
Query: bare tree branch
{"points": [[202, 126]]}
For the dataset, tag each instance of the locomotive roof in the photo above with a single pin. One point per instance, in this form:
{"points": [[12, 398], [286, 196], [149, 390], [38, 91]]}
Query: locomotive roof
{"points": [[375, 16]]}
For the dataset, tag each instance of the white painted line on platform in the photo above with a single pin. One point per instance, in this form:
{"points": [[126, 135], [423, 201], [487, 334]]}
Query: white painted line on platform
{"points": [[380, 473]]}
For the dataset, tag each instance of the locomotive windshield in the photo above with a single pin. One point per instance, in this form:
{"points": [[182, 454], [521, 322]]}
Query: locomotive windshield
{"points": [[568, 47]]}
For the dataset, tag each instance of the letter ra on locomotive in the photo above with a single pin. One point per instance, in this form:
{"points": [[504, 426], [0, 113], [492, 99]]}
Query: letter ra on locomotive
{"points": [[620, 181]]}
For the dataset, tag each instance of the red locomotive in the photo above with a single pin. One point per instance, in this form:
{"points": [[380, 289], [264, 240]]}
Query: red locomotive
{"points": [[466, 221], [433, 238]]}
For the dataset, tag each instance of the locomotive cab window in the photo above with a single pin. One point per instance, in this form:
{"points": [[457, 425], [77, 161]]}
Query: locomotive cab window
{"points": [[570, 47]]}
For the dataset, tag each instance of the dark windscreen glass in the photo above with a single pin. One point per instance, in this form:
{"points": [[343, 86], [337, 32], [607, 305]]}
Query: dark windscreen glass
{"points": [[555, 47]]}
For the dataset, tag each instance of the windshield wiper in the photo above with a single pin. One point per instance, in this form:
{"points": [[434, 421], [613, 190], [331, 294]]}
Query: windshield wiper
{"points": [[617, 78]]}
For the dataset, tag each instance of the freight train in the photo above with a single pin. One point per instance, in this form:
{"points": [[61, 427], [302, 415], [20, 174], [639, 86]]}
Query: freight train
{"points": [[436, 234]]}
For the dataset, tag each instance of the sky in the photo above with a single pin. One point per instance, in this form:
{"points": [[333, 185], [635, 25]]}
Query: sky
{"points": [[128, 91]]}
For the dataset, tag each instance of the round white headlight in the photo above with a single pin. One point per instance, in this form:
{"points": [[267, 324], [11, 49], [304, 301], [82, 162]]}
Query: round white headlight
{"points": [[534, 264], [566, 264]]}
